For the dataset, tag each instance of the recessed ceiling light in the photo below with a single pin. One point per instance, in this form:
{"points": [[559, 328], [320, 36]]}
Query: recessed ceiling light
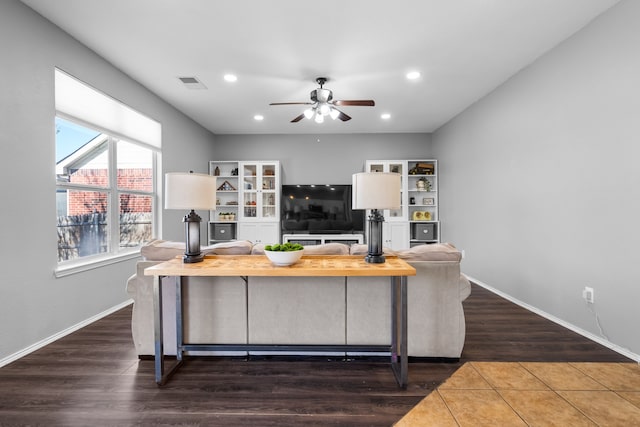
{"points": [[230, 77], [413, 75], [385, 116], [258, 117]]}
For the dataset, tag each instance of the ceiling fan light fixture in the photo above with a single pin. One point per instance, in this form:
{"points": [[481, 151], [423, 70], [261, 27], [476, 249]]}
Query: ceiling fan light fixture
{"points": [[325, 109], [308, 113], [322, 104]]}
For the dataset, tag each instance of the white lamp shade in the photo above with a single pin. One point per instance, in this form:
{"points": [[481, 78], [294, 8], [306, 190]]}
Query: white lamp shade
{"points": [[189, 191], [376, 190]]}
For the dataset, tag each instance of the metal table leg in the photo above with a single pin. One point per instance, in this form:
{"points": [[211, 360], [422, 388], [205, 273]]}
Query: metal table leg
{"points": [[160, 376], [399, 352]]}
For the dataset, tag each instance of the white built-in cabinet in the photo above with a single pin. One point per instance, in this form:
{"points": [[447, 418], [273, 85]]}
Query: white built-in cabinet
{"points": [[416, 222], [395, 229], [248, 205]]}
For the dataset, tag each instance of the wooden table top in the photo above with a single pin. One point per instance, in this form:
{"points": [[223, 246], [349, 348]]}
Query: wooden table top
{"points": [[259, 265]]}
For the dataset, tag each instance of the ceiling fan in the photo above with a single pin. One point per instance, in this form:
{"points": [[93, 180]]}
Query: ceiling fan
{"points": [[322, 105]]}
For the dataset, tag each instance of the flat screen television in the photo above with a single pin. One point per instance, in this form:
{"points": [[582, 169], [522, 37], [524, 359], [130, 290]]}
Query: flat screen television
{"points": [[319, 209]]}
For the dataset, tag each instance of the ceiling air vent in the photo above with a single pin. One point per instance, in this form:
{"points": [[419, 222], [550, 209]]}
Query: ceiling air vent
{"points": [[192, 83]]}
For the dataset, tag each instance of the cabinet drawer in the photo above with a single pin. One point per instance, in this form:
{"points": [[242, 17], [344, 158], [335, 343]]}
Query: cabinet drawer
{"points": [[223, 231], [424, 232]]}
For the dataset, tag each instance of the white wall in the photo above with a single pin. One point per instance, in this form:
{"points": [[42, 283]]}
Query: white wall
{"points": [[540, 181], [317, 159], [33, 304]]}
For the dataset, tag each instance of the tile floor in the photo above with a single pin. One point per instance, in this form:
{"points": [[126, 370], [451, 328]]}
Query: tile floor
{"points": [[533, 394]]}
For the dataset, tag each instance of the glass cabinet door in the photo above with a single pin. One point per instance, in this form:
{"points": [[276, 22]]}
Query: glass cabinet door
{"points": [[398, 214], [260, 191], [249, 191], [268, 198], [395, 167]]}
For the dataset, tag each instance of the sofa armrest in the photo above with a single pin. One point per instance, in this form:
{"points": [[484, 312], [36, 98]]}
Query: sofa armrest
{"points": [[140, 289]]}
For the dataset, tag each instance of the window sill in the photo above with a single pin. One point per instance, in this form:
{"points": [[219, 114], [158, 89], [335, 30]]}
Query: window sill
{"points": [[79, 266]]}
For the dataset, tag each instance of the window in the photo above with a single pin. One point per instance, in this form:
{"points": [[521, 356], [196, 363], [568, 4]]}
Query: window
{"points": [[105, 180]]}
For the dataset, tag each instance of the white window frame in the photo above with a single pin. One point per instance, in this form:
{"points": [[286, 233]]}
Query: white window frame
{"points": [[152, 142]]}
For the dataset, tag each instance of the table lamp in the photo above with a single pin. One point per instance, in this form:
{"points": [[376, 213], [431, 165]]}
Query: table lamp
{"points": [[190, 191], [374, 191]]}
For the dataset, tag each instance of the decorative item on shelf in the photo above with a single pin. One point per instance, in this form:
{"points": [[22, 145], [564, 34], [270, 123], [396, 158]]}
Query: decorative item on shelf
{"points": [[423, 184], [227, 216], [428, 201], [374, 191], [216, 172], [422, 169], [190, 191], [421, 216], [226, 186], [269, 172], [234, 172], [412, 200]]}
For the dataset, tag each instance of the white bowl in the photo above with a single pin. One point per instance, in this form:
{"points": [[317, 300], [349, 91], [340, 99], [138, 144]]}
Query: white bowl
{"points": [[283, 258]]}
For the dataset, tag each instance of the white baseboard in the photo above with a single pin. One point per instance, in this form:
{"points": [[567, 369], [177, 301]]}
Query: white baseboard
{"points": [[623, 351], [57, 336]]}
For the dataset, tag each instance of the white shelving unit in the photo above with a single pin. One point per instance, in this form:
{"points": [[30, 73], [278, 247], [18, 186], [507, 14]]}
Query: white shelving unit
{"points": [[223, 222], [248, 205], [320, 239], [417, 220], [423, 215]]}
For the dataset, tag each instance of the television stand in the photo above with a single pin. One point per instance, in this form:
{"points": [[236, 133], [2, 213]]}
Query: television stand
{"points": [[319, 239]]}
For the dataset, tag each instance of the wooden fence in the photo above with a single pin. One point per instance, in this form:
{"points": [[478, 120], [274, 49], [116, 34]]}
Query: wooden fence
{"points": [[87, 234]]}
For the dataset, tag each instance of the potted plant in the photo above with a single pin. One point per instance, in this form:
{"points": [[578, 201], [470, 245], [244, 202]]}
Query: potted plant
{"points": [[423, 184]]}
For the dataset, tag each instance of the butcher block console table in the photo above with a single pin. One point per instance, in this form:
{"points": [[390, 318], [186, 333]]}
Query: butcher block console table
{"points": [[246, 266]]}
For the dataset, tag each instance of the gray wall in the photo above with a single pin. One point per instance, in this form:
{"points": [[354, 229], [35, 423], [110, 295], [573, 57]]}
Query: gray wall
{"points": [[33, 304], [540, 181], [318, 159]]}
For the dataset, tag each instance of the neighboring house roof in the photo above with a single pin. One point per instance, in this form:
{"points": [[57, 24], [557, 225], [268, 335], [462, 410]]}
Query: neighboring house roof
{"points": [[84, 156]]}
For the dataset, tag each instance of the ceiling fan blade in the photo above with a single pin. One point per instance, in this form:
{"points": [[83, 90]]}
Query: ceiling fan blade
{"points": [[355, 103], [343, 116], [291, 103], [297, 119]]}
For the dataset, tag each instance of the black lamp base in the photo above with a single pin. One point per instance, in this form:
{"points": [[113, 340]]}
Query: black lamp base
{"points": [[374, 239], [374, 259], [192, 253], [190, 259]]}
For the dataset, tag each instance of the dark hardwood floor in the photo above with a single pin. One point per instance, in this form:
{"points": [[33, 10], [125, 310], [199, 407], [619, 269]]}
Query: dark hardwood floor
{"points": [[93, 378]]}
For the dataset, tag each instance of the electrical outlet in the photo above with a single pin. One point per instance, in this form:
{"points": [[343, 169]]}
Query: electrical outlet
{"points": [[587, 294]]}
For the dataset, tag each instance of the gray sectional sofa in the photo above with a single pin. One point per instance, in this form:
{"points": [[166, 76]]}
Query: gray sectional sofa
{"points": [[306, 310]]}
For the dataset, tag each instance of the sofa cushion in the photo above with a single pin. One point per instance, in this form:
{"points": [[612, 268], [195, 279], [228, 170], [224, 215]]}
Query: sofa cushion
{"points": [[327, 249], [432, 252], [236, 247], [363, 249], [163, 250]]}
